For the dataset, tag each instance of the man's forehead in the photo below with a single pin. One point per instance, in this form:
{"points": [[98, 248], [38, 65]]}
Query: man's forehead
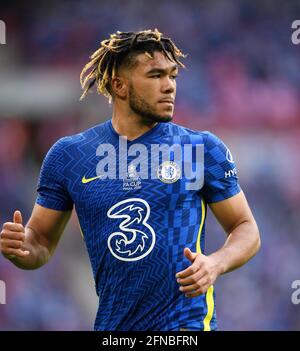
{"points": [[157, 59]]}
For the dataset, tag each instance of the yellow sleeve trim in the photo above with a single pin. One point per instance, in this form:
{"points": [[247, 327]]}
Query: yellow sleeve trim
{"points": [[210, 308], [210, 292]]}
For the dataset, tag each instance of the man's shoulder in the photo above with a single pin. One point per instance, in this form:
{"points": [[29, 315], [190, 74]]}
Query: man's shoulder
{"points": [[204, 135], [88, 135]]}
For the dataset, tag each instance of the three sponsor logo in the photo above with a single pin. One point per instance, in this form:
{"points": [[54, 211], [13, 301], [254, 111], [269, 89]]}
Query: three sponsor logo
{"points": [[135, 237]]}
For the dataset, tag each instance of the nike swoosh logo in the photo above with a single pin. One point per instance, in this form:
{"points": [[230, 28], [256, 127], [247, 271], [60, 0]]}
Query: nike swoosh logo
{"points": [[85, 180]]}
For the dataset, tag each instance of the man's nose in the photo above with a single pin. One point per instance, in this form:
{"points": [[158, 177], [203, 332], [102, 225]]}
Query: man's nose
{"points": [[169, 85]]}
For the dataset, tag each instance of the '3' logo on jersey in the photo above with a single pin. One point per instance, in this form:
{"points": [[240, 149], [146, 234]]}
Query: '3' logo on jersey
{"points": [[136, 237]]}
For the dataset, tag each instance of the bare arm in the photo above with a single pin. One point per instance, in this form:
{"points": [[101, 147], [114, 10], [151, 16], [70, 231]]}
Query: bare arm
{"points": [[243, 239], [31, 246], [243, 242]]}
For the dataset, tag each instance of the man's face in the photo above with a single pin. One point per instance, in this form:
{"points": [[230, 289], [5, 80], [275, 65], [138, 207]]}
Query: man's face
{"points": [[152, 87]]}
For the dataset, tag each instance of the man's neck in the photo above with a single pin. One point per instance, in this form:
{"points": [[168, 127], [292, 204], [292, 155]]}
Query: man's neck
{"points": [[131, 126]]}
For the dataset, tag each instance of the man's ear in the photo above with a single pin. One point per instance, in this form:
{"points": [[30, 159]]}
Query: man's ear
{"points": [[119, 86]]}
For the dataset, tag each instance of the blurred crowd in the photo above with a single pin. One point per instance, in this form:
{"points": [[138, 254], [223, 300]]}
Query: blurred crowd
{"points": [[242, 82]]}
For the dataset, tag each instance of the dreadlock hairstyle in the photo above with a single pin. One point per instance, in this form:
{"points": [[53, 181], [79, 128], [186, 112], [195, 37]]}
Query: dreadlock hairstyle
{"points": [[120, 49]]}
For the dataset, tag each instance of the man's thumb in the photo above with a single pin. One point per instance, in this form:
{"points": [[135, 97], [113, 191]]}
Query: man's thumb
{"points": [[189, 254], [18, 217]]}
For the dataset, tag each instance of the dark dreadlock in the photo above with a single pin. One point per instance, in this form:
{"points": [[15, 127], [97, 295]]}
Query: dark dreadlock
{"points": [[120, 49]]}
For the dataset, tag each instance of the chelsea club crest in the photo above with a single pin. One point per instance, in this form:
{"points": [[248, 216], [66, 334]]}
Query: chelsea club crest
{"points": [[169, 172]]}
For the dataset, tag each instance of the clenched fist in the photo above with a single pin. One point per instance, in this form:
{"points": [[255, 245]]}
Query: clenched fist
{"points": [[12, 238]]}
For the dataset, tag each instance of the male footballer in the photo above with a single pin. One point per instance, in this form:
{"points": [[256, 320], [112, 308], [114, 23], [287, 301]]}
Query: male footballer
{"points": [[140, 186]]}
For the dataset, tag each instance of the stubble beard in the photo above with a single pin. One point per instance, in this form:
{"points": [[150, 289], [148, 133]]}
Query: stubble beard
{"points": [[144, 109]]}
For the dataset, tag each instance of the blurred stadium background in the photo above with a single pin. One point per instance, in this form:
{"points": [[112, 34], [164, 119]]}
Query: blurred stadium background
{"points": [[242, 82]]}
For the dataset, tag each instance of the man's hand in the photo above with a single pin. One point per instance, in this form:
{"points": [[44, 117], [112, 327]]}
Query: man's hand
{"points": [[199, 276], [12, 238]]}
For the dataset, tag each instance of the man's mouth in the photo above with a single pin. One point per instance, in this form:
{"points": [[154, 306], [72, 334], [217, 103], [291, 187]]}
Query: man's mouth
{"points": [[167, 101]]}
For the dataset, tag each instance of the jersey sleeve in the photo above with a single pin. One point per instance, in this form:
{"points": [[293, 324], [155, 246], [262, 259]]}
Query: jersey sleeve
{"points": [[220, 173], [51, 188]]}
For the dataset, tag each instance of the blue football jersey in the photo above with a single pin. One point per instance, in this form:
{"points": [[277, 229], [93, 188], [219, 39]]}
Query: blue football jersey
{"points": [[136, 225]]}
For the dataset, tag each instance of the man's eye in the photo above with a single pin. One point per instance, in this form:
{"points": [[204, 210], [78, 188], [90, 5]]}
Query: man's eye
{"points": [[155, 76], [174, 76]]}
